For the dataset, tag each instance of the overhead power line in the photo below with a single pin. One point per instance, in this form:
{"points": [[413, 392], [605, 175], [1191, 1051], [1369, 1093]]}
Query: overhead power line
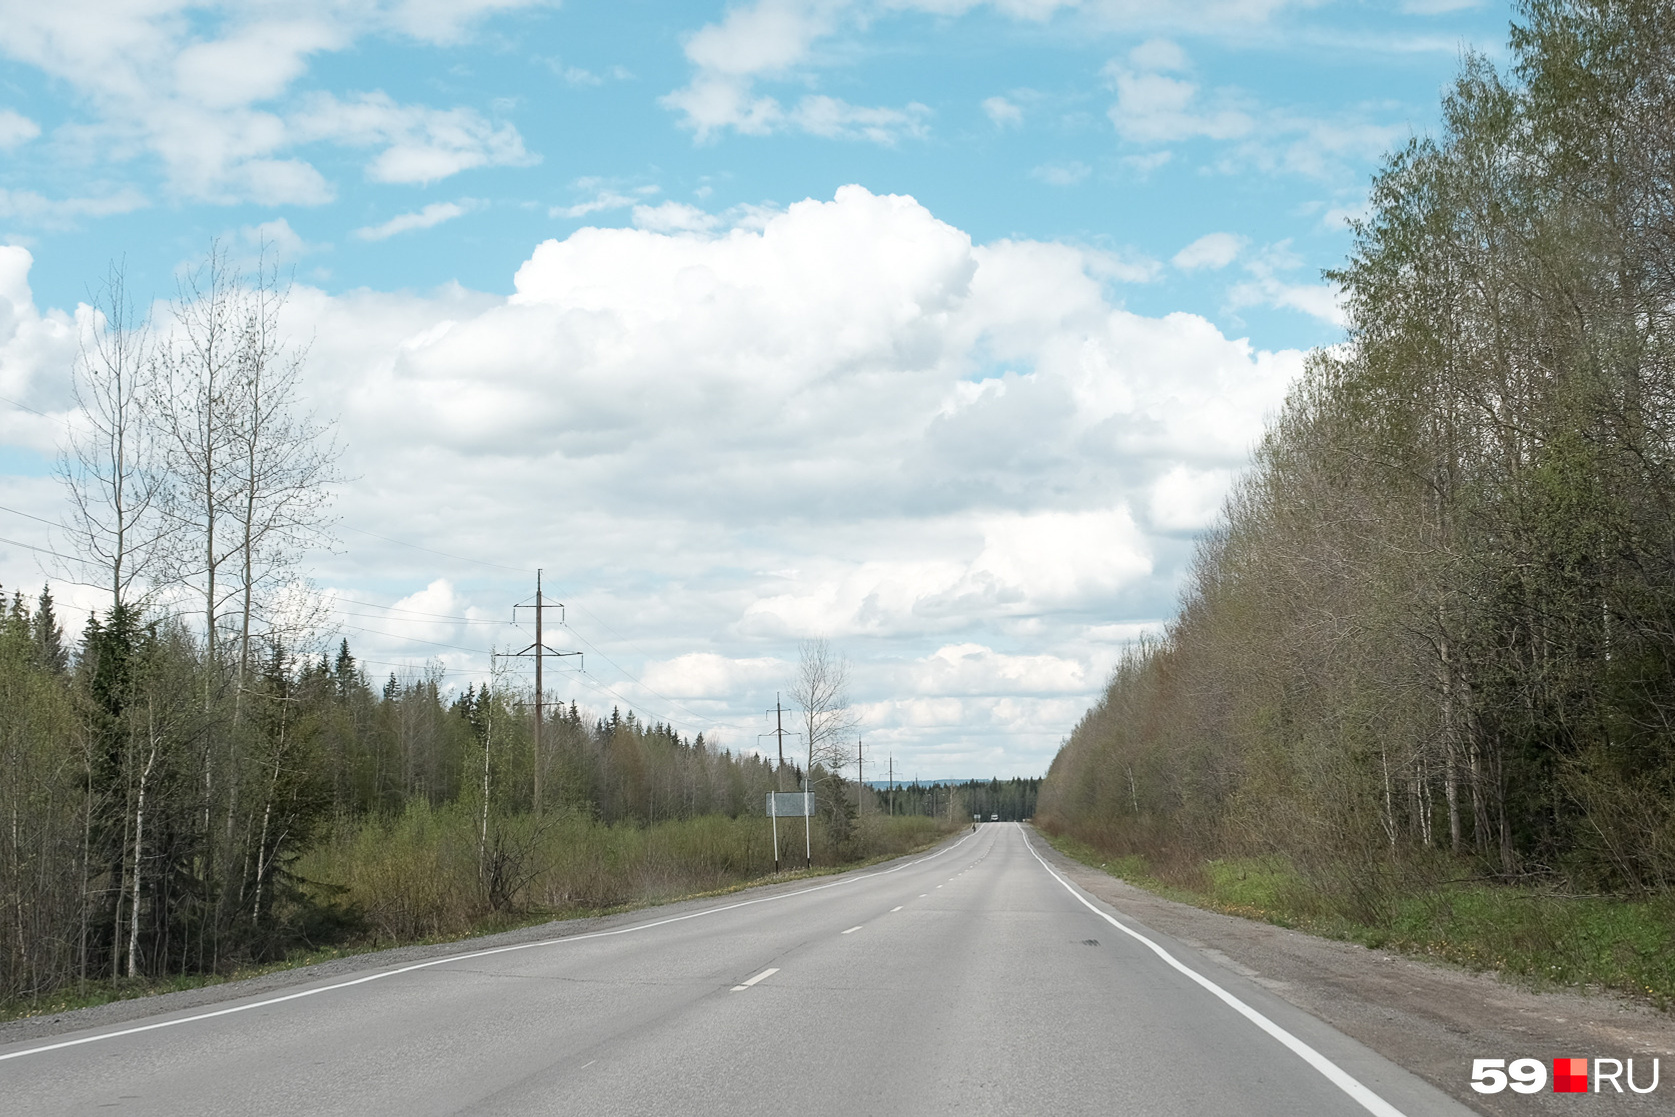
{"points": [[396, 612], [434, 551], [24, 407], [38, 550], [29, 516], [637, 682], [415, 615], [415, 639]]}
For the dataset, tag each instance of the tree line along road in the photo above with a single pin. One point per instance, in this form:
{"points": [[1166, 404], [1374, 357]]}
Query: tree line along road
{"points": [[972, 979]]}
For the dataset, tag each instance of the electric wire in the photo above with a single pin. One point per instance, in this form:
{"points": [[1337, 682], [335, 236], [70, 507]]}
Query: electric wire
{"points": [[29, 516], [38, 550], [636, 681], [590, 679], [24, 407], [434, 551]]}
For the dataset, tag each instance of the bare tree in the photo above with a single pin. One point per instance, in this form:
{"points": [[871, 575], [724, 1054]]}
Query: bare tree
{"points": [[821, 691], [111, 466], [285, 463], [198, 380], [252, 473]]}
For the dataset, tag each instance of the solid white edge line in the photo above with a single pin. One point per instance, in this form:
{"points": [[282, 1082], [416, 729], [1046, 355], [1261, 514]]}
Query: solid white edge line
{"points": [[846, 879], [1340, 1078]]}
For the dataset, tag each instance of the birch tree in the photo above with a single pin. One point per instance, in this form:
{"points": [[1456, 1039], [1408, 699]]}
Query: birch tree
{"points": [[284, 464], [199, 392], [112, 468], [821, 692], [252, 472]]}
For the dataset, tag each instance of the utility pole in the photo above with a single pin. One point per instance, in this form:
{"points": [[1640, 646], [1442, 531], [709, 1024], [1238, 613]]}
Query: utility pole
{"points": [[539, 650], [779, 731], [808, 805], [860, 777], [892, 785]]}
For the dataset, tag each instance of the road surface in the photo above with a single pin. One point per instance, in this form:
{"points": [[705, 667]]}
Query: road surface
{"points": [[969, 980]]}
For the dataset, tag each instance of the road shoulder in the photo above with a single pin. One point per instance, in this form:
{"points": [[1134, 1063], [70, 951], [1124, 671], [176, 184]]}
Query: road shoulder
{"points": [[1431, 1019]]}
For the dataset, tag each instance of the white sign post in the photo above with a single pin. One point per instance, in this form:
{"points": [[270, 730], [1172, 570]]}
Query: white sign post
{"points": [[790, 804]]}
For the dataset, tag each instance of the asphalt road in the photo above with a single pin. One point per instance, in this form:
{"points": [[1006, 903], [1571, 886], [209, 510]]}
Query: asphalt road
{"points": [[970, 980]]}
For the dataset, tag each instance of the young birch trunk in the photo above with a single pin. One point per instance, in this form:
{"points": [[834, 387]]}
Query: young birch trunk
{"points": [[261, 854], [1450, 742], [139, 841]]}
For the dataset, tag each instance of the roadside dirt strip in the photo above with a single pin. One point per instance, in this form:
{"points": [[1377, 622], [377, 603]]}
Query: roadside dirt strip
{"points": [[1430, 1018]]}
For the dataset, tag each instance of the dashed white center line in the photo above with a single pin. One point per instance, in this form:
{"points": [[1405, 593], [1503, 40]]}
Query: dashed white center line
{"points": [[921, 895], [896, 908], [767, 973], [853, 929]]}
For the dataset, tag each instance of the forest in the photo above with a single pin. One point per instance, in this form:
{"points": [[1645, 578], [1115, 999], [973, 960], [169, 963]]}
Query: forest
{"points": [[1432, 640], [153, 832], [190, 787]]}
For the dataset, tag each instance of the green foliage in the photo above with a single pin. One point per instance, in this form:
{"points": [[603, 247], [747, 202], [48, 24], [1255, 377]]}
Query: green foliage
{"points": [[1625, 945], [169, 822], [424, 874], [1433, 637]]}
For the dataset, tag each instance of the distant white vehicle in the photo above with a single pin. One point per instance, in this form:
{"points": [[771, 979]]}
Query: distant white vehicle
{"points": [[994, 818]]}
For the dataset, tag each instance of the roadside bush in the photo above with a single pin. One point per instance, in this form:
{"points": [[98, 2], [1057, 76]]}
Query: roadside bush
{"points": [[426, 873]]}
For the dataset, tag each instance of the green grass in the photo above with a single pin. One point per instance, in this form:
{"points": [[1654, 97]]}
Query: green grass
{"points": [[1626, 945], [1544, 938]]}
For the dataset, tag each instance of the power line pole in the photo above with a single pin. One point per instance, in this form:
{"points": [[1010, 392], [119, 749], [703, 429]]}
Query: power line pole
{"points": [[860, 776], [892, 785], [808, 803], [539, 650], [779, 731]]}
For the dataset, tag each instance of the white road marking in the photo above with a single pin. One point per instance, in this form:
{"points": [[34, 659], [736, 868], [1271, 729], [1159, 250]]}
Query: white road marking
{"points": [[1334, 1074], [853, 929], [895, 909], [767, 973], [587, 1064], [379, 976]]}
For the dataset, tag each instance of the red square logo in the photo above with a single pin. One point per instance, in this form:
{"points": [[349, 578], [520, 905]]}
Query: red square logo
{"points": [[1570, 1076]]}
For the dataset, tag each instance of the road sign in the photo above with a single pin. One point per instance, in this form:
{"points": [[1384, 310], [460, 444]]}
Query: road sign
{"points": [[790, 804]]}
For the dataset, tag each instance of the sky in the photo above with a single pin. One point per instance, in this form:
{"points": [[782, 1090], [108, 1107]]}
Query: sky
{"points": [[935, 329]]}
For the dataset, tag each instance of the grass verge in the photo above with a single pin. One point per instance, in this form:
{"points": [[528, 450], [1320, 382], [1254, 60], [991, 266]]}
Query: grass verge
{"points": [[1543, 938]]}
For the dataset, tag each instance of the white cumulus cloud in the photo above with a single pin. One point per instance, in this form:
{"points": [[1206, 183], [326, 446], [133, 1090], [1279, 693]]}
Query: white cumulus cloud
{"points": [[965, 463]]}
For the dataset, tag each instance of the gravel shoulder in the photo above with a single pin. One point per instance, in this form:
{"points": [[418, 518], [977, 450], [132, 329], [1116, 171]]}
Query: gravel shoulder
{"points": [[1431, 1018]]}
